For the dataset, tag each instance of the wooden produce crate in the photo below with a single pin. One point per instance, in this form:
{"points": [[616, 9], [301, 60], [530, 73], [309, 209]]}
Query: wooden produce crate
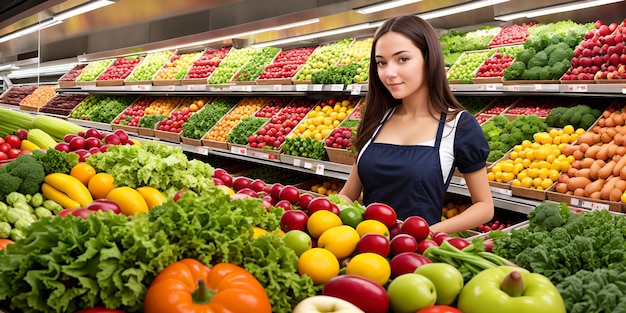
{"points": [[482, 55], [15, 94], [340, 47], [583, 202], [175, 66], [264, 56], [209, 59], [128, 64], [157, 59], [342, 156], [188, 102], [248, 106], [68, 79], [38, 98], [529, 193], [94, 69]]}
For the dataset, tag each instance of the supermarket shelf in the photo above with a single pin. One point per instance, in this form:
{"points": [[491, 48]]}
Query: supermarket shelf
{"points": [[501, 198]]}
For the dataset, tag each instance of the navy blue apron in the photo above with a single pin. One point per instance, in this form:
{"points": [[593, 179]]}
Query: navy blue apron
{"points": [[408, 178]]}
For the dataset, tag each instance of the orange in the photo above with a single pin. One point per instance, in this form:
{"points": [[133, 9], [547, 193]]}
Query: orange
{"points": [[370, 265], [340, 240], [319, 264], [83, 172], [100, 185]]}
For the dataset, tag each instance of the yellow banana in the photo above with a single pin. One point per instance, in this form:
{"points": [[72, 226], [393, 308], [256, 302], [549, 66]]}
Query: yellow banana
{"points": [[70, 186], [52, 194]]}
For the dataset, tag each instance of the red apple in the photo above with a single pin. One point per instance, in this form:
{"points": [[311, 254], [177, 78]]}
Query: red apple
{"points": [[289, 193], [406, 262], [77, 143], [92, 142], [425, 244], [62, 146], [375, 243], [92, 132], [241, 182], [285, 204], [416, 226], [218, 182], [275, 191], [104, 205], [112, 139], [249, 192], [318, 204], [439, 237], [305, 199], [293, 219], [122, 135], [402, 243], [257, 185]]}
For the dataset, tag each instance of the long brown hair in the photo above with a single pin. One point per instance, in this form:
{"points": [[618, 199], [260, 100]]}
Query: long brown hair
{"points": [[379, 99]]}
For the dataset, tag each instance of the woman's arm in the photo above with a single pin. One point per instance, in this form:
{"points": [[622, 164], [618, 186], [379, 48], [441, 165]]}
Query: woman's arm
{"points": [[481, 210], [353, 187]]}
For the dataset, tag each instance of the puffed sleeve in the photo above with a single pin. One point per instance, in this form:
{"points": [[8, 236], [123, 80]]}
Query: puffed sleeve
{"points": [[470, 145]]}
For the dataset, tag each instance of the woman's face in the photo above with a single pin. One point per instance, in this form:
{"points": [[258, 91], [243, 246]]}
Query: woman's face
{"points": [[400, 65]]}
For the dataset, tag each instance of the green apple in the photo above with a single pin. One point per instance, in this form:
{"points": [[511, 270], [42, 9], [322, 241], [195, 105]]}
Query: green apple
{"points": [[447, 279], [297, 240], [409, 293]]}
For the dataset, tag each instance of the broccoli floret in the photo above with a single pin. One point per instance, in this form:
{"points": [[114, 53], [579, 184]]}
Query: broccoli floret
{"points": [[596, 112], [548, 215], [564, 46], [514, 71], [498, 145], [587, 120], [545, 73], [566, 117], [540, 59], [553, 118], [29, 173], [526, 55], [9, 184], [532, 73], [575, 120], [548, 50], [572, 39], [499, 121]]}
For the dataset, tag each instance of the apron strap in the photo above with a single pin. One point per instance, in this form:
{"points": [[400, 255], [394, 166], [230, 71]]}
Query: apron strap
{"points": [[442, 122], [385, 118]]}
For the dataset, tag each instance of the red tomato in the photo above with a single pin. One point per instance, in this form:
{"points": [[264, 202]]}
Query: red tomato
{"points": [[439, 309], [380, 212], [13, 141]]}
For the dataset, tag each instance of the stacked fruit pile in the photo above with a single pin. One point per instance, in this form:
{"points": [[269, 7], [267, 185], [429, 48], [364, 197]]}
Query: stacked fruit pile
{"points": [[286, 64], [255, 66], [72, 74], [207, 63], [322, 59], [245, 108], [272, 135], [149, 66], [178, 66], [231, 63], [62, 104], [93, 70], [174, 123], [39, 97], [120, 69], [16, 94]]}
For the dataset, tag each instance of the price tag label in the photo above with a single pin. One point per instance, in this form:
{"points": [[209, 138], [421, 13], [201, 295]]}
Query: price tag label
{"points": [[247, 88], [318, 87], [594, 205], [336, 87], [202, 150], [239, 150], [501, 191], [491, 87], [538, 87], [260, 155], [574, 202], [308, 165], [577, 88], [355, 90], [624, 91], [171, 88], [453, 88], [319, 169], [140, 87], [296, 162], [278, 87], [480, 87], [196, 87], [301, 87], [515, 88], [215, 88]]}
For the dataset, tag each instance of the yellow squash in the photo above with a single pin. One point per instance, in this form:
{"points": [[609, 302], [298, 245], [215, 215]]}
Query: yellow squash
{"points": [[52, 194], [70, 186], [152, 196], [129, 200]]}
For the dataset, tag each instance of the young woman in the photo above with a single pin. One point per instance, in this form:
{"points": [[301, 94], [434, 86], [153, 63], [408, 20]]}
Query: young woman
{"points": [[414, 132]]}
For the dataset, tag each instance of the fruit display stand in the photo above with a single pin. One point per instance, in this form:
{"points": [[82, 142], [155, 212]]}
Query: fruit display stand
{"points": [[252, 69], [230, 65], [143, 73], [537, 106], [322, 58], [202, 69], [285, 66], [34, 101], [89, 74], [115, 74], [174, 71], [15, 94], [466, 66], [161, 106], [62, 104], [217, 135], [128, 119], [174, 136], [69, 78]]}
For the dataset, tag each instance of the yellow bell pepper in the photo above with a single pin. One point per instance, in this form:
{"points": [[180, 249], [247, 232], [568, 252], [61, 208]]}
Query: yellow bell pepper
{"points": [[129, 200], [152, 196], [70, 186]]}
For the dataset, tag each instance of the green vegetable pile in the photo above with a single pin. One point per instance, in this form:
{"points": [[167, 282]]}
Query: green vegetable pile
{"points": [[474, 104], [107, 109], [341, 74], [246, 128], [149, 121], [503, 135], [66, 264], [583, 254], [20, 211], [305, 147], [579, 116], [54, 161], [548, 51], [200, 123], [152, 164], [84, 109], [251, 70], [454, 43], [24, 175]]}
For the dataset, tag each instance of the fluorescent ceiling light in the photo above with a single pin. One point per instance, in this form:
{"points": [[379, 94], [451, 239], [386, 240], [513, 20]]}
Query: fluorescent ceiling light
{"points": [[89, 6], [296, 24], [555, 9], [385, 5], [459, 9], [316, 35], [51, 70], [29, 30], [8, 67]]}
